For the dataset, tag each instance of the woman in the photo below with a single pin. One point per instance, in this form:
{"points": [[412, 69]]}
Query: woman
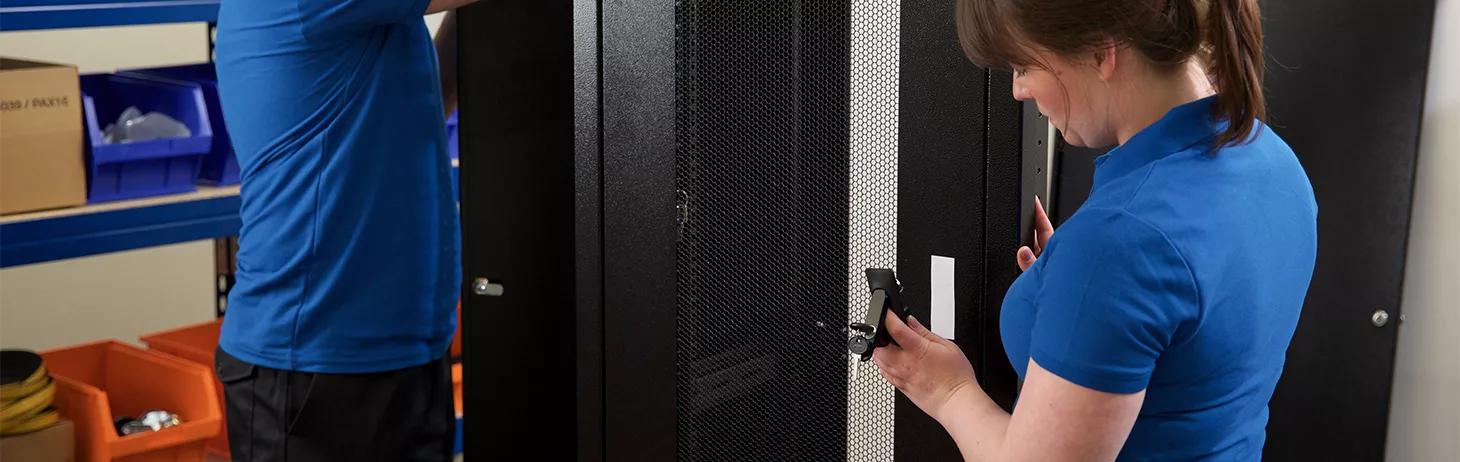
{"points": [[1153, 325]]}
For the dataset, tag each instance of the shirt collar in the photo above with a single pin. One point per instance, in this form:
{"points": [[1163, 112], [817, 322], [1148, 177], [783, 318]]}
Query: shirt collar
{"points": [[1182, 127]]}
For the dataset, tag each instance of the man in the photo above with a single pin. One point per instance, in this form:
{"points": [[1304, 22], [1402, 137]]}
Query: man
{"points": [[348, 264]]}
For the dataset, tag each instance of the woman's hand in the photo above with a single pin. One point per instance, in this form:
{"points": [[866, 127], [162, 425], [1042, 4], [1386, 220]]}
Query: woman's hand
{"points": [[1042, 230], [929, 369]]}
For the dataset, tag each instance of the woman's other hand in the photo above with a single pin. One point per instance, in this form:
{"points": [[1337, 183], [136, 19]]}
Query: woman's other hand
{"points": [[929, 369], [1042, 230]]}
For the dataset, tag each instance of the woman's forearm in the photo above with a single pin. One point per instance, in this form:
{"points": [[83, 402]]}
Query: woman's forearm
{"points": [[977, 424]]}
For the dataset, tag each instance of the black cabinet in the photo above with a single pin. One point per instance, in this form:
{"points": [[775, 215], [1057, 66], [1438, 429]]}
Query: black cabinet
{"points": [[679, 200]]}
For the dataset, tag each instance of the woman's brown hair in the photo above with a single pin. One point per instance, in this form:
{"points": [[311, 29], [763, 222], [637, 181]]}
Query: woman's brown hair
{"points": [[1225, 34]]}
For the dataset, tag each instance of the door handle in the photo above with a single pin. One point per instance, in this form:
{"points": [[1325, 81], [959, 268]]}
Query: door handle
{"points": [[484, 286]]}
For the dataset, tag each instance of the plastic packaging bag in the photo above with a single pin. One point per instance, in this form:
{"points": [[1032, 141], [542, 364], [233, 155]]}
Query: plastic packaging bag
{"points": [[133, 125]]}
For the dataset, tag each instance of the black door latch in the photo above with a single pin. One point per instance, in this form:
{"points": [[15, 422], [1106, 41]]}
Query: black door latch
{"points": [[870, 334]]}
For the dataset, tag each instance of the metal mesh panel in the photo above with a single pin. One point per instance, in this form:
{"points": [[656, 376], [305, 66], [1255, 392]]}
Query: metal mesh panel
{"points": [[762, 154], [872, 216], [786, 121]]}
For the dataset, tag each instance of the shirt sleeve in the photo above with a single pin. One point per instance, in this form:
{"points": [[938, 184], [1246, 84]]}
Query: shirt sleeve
{"points": [[1115, 294], [324, 20]]}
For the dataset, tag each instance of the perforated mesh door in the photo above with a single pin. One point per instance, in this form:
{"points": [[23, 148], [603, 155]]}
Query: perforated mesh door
{"points": [[873, 208], [776, 233]]}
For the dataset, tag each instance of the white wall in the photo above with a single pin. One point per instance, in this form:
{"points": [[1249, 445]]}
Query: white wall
{"points": [[433, 22], [121, 295], [1424, 418], [105, 49]]}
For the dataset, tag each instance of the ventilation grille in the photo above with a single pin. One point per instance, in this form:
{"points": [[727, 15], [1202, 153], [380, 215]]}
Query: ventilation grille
{"points": [[786, 197]]}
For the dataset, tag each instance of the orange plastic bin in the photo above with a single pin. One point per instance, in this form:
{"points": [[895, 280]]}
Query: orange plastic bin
{"points": [[456, 337], [196, 344], [97, 382]]}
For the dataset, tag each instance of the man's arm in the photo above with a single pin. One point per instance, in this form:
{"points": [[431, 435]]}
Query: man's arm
{"points": [[446, 56], [438, 6]]}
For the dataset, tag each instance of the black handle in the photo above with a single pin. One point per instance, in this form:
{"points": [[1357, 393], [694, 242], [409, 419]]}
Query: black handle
{"points": [[870, 333]]}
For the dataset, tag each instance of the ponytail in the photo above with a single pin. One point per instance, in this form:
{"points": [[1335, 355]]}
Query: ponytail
{"points": [[1233, 33]]}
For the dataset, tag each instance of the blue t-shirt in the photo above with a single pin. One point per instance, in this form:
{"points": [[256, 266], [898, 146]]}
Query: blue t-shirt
{"points": [[348, 259], [1183, 275]]}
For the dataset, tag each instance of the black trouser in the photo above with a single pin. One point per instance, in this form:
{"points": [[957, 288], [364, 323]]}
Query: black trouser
{"points": [[400, 415]]}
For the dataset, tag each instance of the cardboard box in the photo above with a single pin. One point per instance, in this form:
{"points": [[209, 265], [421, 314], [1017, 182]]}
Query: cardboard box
{"points": [[57, 443], [42, 162]]}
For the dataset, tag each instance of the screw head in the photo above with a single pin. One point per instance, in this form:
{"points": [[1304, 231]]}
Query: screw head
{"points": [[1380, 318]]}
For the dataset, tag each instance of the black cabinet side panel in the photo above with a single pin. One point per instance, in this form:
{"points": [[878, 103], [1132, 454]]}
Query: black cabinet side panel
{"points": [[941, 160], [588, 229], [1002, 176], [1345, 89], [517, 228], [638, 229]]}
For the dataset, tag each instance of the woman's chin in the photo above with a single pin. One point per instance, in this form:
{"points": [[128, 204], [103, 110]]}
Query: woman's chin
{"points": [[1072, 139]]}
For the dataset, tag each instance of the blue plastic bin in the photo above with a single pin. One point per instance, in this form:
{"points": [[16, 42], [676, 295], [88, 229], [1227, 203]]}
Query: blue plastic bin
{"points": [[145, 168], [220, 167], [451, 137]]}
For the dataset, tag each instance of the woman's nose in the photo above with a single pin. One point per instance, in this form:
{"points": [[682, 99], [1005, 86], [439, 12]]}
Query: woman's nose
{"points": [[1020, 92]]}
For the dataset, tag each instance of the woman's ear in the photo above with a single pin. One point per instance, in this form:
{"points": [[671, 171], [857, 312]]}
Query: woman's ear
{"points": [[1105, 61]]}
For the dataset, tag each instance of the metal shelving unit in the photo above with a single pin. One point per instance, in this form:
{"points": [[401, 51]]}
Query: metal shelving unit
{"points": [[37, 237], [210, 212], [17, 15]]}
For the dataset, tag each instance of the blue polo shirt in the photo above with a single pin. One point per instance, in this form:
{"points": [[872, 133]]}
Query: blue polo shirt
{"points": [[348, 258], [1183, 275]]}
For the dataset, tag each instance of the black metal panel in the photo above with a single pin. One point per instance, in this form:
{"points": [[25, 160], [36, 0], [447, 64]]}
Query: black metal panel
{"points": [[588, 229], [1003, 177], [942, 146], [639, 229], [762, 165], [1346, 87], [517, 203], [1076, 173]]}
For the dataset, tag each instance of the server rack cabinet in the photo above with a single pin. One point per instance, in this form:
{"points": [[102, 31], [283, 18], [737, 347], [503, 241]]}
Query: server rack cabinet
{"points": [[668, 207]]}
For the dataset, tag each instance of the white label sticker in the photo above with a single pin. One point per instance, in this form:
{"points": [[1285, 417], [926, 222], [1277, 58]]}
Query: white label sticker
{"points": [[942, 297]]}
